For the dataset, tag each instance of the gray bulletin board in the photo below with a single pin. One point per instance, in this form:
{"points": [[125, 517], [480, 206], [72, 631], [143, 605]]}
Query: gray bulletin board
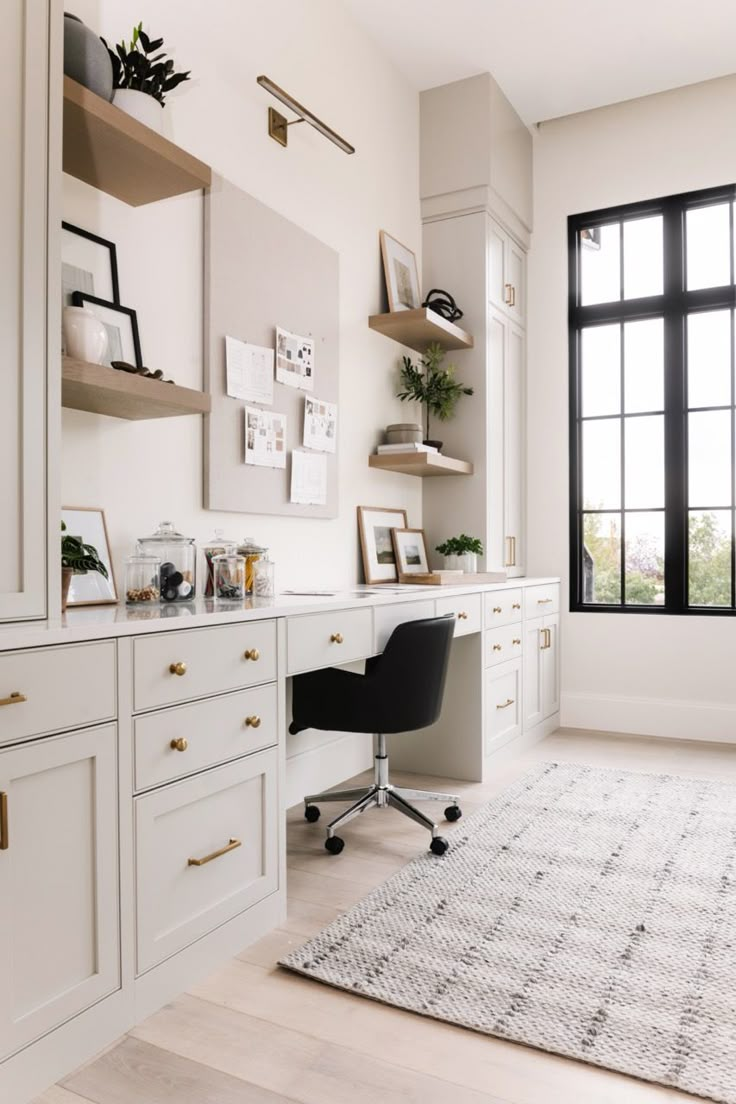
{"points": [[262, 271]]}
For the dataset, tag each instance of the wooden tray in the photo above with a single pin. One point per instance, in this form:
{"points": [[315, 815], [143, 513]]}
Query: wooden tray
{"points": [[454, 578]]}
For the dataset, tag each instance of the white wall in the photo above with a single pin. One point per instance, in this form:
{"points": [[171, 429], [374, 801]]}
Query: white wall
{"points": [[663, 675]]}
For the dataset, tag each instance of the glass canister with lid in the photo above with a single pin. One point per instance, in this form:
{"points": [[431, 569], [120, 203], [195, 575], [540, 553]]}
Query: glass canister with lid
{"points": [[252, 552], [218, 546], [178, 556]]}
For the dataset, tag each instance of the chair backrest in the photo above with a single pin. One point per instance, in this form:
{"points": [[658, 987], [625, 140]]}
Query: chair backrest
{"points": [[410, 675]]}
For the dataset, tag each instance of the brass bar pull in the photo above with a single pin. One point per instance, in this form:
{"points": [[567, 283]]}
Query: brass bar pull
{"points": [[336, 638], [14, 699], [178, 668], [508, 295], [4, 840], [231, 846], [510, 552], [543, 601], [506, 704], [252, 653], [254, 721], [462, 615], [547, 639], [179, 745], [513, 296]]}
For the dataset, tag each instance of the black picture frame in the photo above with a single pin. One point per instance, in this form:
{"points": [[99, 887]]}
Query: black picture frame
{"points": [[82, 299], [105, 244]]}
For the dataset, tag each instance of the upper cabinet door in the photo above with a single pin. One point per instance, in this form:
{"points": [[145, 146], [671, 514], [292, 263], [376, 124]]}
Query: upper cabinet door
{"points": [[23, 315], [506, 274]]}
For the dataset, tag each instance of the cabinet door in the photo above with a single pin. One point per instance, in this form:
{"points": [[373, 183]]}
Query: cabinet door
{"points": [[534, 638], [515, 290], [497, 293], [503, 703], [514, 450], [23, 199], [59, 951], [550, 663]]}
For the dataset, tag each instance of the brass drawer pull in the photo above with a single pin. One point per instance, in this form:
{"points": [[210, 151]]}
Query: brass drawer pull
{"points": [[179, 745], [336, 638], [508, 294], [231, 846], [252, 653], [506, 704], [254, 721], [516, 640], [547, 638], [14, 699], [4, 840], [462, 615], [178, 668], [516, 605], [543, 601], [497, 609], [497, 647]]}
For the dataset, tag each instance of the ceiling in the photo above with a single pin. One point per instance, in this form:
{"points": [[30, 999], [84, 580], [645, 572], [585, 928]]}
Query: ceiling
{"points": [[556, 57]]}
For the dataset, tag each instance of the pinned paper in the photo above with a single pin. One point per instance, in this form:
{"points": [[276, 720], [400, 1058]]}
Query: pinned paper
{"points": [[309, 478], [320, 425], [249, 371], [265, 438], [294, 360]]}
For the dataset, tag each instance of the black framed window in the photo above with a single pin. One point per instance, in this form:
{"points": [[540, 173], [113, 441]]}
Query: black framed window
{"points": [[653, 406]]}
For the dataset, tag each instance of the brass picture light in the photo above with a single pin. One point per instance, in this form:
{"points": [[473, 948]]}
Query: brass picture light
{"points": [[278, 125]]}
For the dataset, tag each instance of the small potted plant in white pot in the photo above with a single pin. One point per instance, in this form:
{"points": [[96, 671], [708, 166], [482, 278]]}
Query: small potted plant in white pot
{"points": [[77, 558], [142, 77], [461, 553]]}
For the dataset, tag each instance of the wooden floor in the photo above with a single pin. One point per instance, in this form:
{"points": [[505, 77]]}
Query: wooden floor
{"points": [[254, 1034]]}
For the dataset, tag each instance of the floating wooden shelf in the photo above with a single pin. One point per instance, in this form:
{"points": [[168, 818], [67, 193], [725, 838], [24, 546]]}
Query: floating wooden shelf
{"points": [[101, 390], [114, 152], [420, 463], [419, 328]]}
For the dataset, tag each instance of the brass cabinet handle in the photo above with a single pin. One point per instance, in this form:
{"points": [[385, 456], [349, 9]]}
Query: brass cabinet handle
{"points": [[508, 295], [178, 668], [497, 609], [506, 704], [179, 745], [547, 638], [336, 638], [252, 653], [254, 721], [497, 647], [14, 699], [4, 840], [516, 640], [462, 615], [231, 846], [516, 605], [543, 601], [510, 552], [513, 296]]}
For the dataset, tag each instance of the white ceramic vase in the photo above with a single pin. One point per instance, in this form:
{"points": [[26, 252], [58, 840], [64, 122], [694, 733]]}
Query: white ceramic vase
{"points": [[467, 562], [141, 106], [85, 337]]}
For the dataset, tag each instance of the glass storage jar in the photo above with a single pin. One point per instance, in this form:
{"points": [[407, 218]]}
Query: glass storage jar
{"points": [[263, 578], [229, 571], [142, 580], [178, 556], [252, 553], [218, 546]]}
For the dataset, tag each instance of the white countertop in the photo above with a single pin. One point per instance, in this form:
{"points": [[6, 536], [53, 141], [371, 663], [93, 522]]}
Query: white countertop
{"points": [[104, 622]]}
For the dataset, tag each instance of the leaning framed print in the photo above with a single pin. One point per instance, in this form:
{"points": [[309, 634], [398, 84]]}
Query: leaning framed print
{"points": [[121, 323], [410, 551], [376, 543], [87, 523], [89, 264], [400, 271]]}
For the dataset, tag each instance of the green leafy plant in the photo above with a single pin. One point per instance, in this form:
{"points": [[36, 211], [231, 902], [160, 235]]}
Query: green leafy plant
{"points": [[78, 557], [432, 385], [133, 67], [458, 546]]}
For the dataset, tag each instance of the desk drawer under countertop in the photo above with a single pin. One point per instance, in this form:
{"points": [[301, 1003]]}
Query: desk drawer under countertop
{"points": [[541, 600], [328, 639], [466, 609], [502, 607], [502, 644]]}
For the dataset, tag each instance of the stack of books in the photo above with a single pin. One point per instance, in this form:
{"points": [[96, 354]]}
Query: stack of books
{"points": [[410, 447]]}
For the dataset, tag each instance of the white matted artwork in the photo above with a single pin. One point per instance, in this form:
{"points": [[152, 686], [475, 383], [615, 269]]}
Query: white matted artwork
{"points": [[265, 438], [375, 524], [320, 425], [93, 589], [294, 360], [410, 550], [400, 272]]}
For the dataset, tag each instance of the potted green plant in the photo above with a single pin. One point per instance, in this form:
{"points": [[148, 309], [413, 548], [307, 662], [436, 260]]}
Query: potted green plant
{"points": [[433, 386], [77, 558], [461, 553], [142, 77]]}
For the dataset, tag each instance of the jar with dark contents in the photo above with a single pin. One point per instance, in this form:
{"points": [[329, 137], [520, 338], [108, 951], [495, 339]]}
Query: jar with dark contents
{"points": [[229, 577], [178, 562]]}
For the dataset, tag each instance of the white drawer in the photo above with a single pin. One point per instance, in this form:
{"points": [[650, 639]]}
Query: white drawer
{"points": [[466, 609], [188, 738], [225, 657], [328, 639], [386, 618], [541, 600], [503, 704], [502, 607], [502, 644], [227, 821], [50, 689]]}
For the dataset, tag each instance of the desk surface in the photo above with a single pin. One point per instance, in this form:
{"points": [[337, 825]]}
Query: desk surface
{"points": [[103, 622]]}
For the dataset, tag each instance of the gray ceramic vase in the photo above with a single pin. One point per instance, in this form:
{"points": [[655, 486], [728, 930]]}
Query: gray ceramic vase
{"points": [[86, 59]]}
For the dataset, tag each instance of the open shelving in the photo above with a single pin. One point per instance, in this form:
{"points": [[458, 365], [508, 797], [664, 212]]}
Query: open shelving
{"points": [[102, 390], [420, 463], [418, 329]]}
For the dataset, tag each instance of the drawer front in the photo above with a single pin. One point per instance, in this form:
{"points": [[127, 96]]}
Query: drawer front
{"points": [[49, 689], [541, 600], [503, 705], [502, 644], [206, 850], [328, 639], [211, 661], [386, 618], [188, 738], [466, 609], [502, 607]]}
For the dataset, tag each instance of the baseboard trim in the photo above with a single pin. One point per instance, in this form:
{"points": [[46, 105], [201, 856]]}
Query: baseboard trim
{"points": [[519, 745], [319, 768], [671, 719]]}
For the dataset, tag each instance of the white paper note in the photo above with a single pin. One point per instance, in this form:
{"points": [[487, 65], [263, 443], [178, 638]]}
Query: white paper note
{"points": [[309, 478], [249, 370], [265, 438], [294, 360], [320, 425]]}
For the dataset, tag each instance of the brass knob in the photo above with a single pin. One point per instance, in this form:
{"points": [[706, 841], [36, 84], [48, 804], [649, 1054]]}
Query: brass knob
{"points": [[254, 721], [516, 641], [497, 647], [179, 745], [251, 653], [462, 616], [178, 668], [336, 638], [516, 605], [497, 609]]}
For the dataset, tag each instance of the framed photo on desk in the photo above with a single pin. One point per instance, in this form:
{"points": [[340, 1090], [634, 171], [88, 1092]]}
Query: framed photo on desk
{"points": [[375, 524]]}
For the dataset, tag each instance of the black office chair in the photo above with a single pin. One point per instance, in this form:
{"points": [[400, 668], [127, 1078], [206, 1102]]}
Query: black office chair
{"points": [[400, 691]]}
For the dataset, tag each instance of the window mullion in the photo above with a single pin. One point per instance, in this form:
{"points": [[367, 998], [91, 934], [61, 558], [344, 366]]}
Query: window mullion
{"points": [[675, 405]]}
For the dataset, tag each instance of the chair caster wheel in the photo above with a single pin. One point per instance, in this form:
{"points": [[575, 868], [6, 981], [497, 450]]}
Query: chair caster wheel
{"points": [[311, 813], [438, 846], [334, 845], [453, 812]]}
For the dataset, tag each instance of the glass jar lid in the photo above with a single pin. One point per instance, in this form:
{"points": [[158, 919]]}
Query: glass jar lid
{"points": [[166, 534], [248, 547], [220, 541]]}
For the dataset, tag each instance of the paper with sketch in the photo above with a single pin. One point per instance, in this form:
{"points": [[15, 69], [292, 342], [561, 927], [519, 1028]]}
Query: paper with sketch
{"points": [[265, 438], [249, 371], [320, 425], [309, 478], [294, 360]]}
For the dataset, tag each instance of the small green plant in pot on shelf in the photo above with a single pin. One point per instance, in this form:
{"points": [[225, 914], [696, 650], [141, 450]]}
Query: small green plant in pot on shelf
{"points": [[461, 553], [433, 386], [142, 76], [77, 558]]}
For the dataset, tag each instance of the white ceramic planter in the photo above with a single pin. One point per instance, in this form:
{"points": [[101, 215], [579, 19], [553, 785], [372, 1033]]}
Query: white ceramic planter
{"points": [[468, 563], [85, 337], [141, 106]]}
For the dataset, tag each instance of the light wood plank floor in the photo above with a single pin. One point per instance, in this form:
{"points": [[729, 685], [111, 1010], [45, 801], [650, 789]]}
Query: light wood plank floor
{"points": [[254, 1034]]}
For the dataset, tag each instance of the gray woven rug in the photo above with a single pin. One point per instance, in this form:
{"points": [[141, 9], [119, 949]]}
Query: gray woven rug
{"points": [[590, 913]]}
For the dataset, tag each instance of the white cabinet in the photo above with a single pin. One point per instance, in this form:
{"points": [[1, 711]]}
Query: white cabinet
{"points": [[506, 420], [59, 951], [541, 669], [23, 279], [503, 705], [506, 273]]}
